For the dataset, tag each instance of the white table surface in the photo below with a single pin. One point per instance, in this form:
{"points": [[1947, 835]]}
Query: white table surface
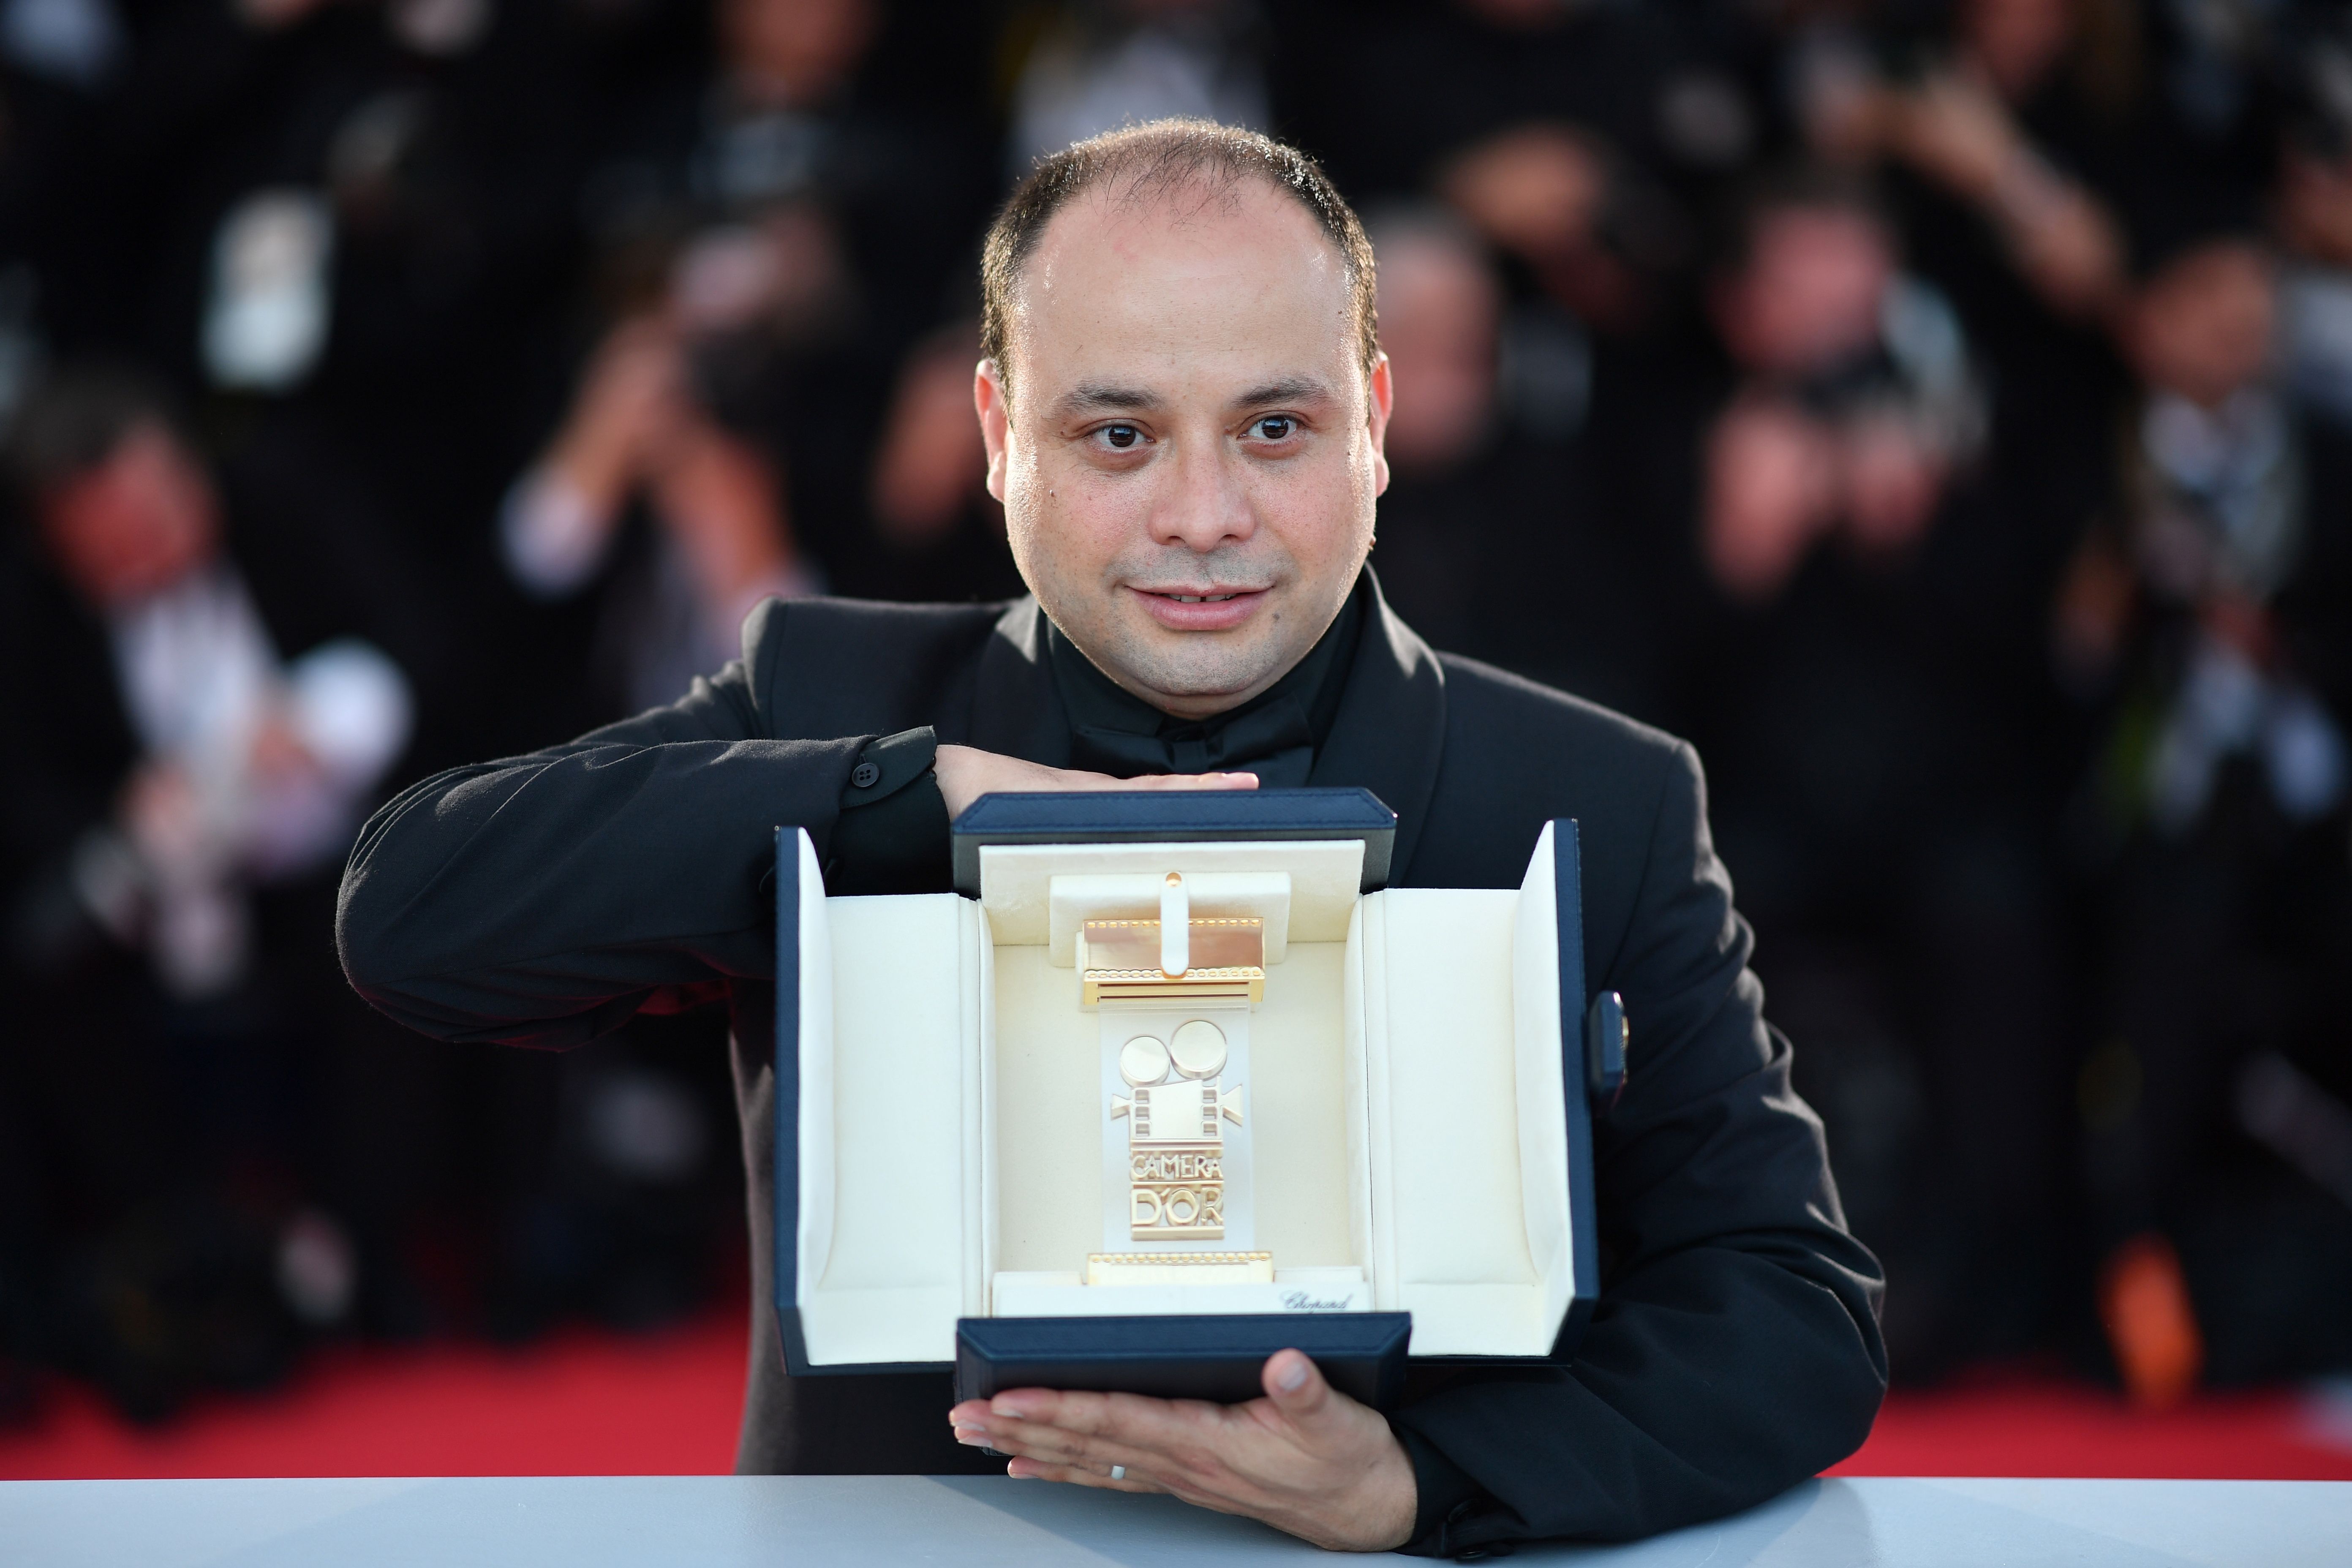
{"points": [[713, 1520]]}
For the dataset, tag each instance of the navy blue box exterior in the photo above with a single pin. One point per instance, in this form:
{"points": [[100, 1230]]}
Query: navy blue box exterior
{"points": [[1568, 882], [1088, 1348], [1173, 817], [1216, 1358], [784, 1246]]}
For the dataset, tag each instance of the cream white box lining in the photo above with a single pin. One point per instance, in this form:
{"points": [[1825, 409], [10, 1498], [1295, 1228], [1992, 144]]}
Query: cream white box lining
{"points": [[1410, 1109]]}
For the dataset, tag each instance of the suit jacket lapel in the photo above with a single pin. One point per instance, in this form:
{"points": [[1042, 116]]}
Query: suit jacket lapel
{"points": [[1016, 707], [1391, 731]]}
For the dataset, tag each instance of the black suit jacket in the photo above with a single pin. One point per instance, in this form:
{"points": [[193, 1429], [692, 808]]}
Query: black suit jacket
{"points": [[544, 900]]}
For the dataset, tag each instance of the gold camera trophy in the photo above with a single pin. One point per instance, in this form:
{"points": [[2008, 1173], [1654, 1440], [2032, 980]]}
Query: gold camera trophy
{"points": [[1174, 994]]}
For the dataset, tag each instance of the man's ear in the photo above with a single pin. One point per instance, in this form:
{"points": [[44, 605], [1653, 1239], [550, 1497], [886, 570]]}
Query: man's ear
{"points": [[993, 404], [1382, 395]]}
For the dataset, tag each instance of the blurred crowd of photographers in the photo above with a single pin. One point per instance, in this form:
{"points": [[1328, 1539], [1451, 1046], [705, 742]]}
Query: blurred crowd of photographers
{"points": [[1938, 410]]}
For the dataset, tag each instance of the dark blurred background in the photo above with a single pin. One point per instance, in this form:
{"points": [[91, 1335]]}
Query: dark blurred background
{"points": [[1940, 412]]}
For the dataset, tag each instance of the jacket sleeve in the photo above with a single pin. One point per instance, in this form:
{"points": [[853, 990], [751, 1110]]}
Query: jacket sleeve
{"points": [[544, 900], [1734, 1348]]}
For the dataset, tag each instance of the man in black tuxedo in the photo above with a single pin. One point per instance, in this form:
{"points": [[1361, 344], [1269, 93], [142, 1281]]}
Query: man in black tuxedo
{"points": [[1184, 404]]}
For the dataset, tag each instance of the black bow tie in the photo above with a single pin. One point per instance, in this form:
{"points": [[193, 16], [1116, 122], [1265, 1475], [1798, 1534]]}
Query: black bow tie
{"points": [[1274, 741]]}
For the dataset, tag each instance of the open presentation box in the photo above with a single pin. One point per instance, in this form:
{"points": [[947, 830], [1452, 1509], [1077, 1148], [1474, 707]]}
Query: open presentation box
{"points": [[1174, 1082]]}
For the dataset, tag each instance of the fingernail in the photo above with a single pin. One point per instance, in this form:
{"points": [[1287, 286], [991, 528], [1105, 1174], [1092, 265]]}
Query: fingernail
{"points": [[1292, 1378], [971, 1437]]}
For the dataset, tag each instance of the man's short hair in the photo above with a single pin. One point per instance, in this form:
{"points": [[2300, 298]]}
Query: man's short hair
{"points": [[75, 418], [1156, 160], [1802, 187]]}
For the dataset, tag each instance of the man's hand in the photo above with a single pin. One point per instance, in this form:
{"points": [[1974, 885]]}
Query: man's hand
{"points": [[966, 774], [626, 409], [1306, 1458]]}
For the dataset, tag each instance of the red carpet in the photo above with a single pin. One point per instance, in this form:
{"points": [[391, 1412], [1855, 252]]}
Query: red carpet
{"points": [[2046, 1428], [575, 1404], [588, 1403]]}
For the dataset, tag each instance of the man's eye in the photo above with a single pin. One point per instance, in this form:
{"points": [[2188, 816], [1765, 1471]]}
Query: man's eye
{"points": [[1121, 436], [1276, 427]]}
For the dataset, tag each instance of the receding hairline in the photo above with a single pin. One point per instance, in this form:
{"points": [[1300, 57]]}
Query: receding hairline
{"points": [[1183, 204], [1160, 165]]}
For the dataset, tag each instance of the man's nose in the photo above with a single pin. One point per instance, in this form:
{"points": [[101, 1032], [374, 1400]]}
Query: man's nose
{"points": [[1204, 506]]}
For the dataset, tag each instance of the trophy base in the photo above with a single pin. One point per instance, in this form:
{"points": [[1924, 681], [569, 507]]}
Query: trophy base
{"points": [[1180, 1268]]}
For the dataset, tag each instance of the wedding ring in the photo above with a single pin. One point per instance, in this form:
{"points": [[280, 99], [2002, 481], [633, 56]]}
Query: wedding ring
{"points": [[1118, 1472]]}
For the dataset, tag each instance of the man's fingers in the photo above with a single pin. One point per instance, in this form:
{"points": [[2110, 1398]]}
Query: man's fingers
{"points": [[1080, 1412], [1191, 781], [1295, 1385], [1160, 781], [965, 774], [1161, 1436], [1053, 1447], [1117, 1417], [1078, 1475], [1088, 1428]]}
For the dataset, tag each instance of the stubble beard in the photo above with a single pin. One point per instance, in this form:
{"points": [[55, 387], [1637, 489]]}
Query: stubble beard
{"points": [[1206, 669], [1209, 670]]}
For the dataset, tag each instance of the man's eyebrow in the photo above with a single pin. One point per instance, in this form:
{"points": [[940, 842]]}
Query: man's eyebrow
{"points": [[1288, 389], [1098, 397]]}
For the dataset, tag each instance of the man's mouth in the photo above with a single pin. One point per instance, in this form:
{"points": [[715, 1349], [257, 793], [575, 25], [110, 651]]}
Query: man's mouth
{"points": [[1200, 595], [1200, 609]]}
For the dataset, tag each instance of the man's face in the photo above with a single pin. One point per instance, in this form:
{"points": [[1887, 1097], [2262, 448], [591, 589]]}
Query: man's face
{"points": [[1191, 452], [135, 523], [801, 49], [2203, 325], [1439, 305], [1810, 292]]}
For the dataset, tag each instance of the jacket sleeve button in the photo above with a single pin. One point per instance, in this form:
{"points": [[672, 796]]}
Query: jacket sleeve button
{"points": [[863, 774]]}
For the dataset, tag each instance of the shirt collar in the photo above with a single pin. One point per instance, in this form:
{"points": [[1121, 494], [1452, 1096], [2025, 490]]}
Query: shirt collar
{"points": [[1106, 714]]}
